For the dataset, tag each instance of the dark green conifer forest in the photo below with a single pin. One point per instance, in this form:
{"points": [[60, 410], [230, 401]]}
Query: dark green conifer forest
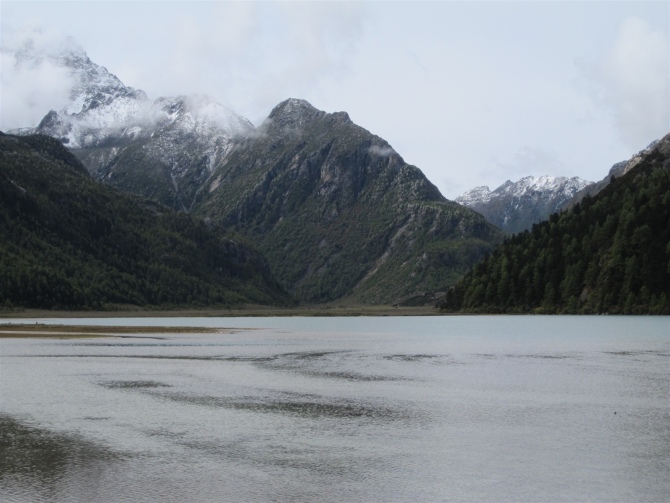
{"points": [[608, 254], [67, 241]]}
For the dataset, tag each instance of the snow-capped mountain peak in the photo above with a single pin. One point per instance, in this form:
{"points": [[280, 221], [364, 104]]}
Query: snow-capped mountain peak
{"points": [[198, 114], [171, 143], [98, 100], [542, 184], [92, 86], [515, 206], [102, 107], [478, 195]]}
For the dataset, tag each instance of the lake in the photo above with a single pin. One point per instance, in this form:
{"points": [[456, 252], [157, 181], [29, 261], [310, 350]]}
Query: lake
{"points": [[362, 409]]}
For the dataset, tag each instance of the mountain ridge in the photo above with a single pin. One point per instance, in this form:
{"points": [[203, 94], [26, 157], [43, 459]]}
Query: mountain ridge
{"points": [[516, 206], [338, 212], [617, 170]]}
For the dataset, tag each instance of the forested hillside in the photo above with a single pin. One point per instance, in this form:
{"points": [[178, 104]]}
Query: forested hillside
{"points": [[609, 254], [67, 241]]}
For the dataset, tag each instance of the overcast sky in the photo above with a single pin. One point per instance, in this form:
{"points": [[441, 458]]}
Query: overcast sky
{"points": [[473, 93]]}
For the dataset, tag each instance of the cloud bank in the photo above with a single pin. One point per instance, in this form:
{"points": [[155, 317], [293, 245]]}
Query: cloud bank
{"points": [[256, 55], [31, 87], [472, 93], [633, 81]]}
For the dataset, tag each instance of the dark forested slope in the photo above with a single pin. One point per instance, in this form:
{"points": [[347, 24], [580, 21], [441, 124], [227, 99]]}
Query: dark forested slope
{"points": [[68, 242], [608, 254]]}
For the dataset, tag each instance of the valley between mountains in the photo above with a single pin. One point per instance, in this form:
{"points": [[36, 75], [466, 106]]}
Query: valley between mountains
{"points": [[177, 202]]}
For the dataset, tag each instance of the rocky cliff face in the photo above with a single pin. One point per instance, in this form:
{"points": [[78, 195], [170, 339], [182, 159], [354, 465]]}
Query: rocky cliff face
{"points": [[516, 206], [339, 213]]}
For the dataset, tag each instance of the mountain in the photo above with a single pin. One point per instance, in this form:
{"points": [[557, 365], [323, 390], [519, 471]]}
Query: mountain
{"points": [[169, 153], [338, 213], [516, 206], [99, 105], [608, 254], [67, 241], [619, 169], [164, 148]]}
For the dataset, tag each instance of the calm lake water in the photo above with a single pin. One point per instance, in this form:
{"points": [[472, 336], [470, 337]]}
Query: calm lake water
{"points": [[341, 410]]}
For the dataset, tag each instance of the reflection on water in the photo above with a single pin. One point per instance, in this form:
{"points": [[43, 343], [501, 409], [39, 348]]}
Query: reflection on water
{"points": [[428, 409], [35, 463]]}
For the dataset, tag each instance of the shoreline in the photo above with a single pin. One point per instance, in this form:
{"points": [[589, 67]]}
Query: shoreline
{"points": [[251, 312]]}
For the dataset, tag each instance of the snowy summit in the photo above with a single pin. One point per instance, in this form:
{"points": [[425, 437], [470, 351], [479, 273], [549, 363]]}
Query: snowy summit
{"points": [[516, 206]]}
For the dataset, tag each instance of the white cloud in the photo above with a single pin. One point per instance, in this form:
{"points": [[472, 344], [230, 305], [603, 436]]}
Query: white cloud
{"points": [[247, 55], [30, 87], [633, 81], [251, 55], [381, 151]]}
